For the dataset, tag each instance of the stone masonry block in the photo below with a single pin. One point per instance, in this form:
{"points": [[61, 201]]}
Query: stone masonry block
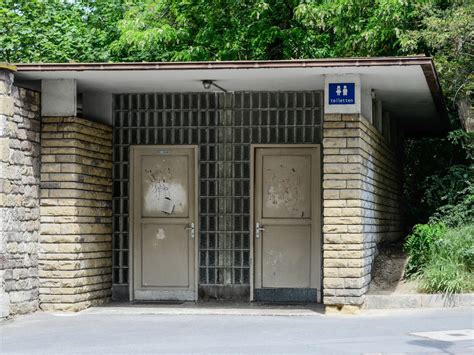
{"points": [[334, 143], [19, 186], [360, 186], [7, 106], [75, 254]]}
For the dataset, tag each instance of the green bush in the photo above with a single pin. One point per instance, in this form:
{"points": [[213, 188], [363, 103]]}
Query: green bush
{"points": [[451, 192], [418, 246], [439, 179], [455, 215], [450, 264]]}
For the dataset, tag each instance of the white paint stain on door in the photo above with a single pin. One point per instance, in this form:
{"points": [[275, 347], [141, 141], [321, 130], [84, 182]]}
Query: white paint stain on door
{"points": [[165, 197], [285, 189], [164, 191], [160, 235]]}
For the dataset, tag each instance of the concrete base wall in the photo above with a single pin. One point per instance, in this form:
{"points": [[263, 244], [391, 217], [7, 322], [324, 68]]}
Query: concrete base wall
{"points": [[76, 216], [361, 204], [19, 197]]}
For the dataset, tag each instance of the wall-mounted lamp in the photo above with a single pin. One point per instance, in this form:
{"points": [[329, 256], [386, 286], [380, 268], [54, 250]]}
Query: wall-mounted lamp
{"points": [[206, 84]]}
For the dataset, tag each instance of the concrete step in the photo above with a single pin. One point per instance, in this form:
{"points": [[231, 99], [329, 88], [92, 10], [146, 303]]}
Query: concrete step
{"points": [[191, 308]]}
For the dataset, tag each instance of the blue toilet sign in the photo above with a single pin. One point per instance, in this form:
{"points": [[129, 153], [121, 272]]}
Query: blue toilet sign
{"points": [[341, 94]]}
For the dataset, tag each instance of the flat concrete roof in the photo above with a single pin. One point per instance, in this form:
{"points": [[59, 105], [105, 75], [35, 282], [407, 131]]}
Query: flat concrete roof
{"points": [[408, 86]]}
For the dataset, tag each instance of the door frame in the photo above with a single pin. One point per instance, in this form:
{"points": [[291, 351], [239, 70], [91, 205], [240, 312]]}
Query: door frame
{"points": [[131, 237], [319, 205]]}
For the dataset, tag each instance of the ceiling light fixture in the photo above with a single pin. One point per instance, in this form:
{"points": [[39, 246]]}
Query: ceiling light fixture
{"points": [[206, 84]]}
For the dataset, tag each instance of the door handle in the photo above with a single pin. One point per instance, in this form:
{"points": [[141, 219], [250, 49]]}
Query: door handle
{"points": [[191, 228], [258, 230]]}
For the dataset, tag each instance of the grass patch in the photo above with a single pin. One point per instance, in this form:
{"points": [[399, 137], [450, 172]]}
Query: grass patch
{"points": [[450, 263]]}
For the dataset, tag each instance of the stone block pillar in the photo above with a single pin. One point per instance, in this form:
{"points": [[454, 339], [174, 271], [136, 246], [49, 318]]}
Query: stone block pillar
{"points": [[361, 205], [76, 216], [19, 196]]}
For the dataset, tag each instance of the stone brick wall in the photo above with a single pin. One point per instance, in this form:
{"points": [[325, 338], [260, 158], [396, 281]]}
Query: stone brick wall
{"points": [[19, 197], [361, 204], [76, 192]]}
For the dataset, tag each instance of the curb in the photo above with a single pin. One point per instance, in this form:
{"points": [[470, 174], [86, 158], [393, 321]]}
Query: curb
{"points": [[418, 301]]}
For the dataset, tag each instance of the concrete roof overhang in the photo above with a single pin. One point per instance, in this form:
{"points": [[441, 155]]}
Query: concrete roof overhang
{"points": [[408, 86]]}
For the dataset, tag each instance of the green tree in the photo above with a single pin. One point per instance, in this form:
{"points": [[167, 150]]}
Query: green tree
{"points": [[360, 27], [57, 30], [263, 29], [446, 32], [171, 30]]}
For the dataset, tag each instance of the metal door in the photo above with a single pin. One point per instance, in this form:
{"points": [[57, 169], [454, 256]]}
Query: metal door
{"points": [[287, 224], [164, 223]]}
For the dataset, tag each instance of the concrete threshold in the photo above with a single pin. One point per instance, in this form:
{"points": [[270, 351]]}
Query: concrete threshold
{"points": [[207, 308], [418, 300]]}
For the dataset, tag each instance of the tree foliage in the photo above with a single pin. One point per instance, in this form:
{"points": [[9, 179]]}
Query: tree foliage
{"points": [[263, 29], [360, 27], [169, 30], [446, 32], [58, 30]]}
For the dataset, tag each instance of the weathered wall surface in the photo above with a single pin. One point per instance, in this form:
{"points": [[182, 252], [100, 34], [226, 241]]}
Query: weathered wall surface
{"points": [[361, 204], [76, 228], [19, 197]]}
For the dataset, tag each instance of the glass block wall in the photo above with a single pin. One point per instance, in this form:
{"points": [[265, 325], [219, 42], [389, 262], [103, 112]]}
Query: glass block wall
{"points": [[223, 126]]}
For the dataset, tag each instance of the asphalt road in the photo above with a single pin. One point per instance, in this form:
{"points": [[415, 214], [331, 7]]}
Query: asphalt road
{"points": [[126, 333]]}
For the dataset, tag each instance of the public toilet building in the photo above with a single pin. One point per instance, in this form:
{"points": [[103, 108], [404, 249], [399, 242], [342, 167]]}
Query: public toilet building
{"points": [[266, 181]]}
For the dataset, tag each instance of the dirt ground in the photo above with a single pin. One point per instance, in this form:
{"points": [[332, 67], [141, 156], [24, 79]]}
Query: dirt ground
{"points": [[387, 277]]}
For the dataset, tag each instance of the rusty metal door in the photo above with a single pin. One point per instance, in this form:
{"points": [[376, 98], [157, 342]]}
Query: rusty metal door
{"points": [[164, 223], [287, 224]]}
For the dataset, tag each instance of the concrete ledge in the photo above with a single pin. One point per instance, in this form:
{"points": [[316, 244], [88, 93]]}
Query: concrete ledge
{"points": [[417, 300]]}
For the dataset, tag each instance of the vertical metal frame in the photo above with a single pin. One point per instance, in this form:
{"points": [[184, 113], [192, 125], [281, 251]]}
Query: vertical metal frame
{"points": [[131, 249]]}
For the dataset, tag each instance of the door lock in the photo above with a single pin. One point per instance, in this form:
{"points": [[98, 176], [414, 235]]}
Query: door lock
{"points": [[191, 228], [258, 230]]}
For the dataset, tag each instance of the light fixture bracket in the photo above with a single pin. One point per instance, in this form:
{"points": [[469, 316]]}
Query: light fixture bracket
{"points": [[206, 84]]}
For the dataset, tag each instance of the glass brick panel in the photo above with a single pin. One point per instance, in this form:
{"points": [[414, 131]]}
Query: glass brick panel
{"points": [[223, 126]]}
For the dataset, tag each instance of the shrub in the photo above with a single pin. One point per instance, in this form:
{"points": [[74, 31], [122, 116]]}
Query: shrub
{"points": [[418, 246], [424, 158], [450, 265], [455, 193], [439, 179], [458, 214]]}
